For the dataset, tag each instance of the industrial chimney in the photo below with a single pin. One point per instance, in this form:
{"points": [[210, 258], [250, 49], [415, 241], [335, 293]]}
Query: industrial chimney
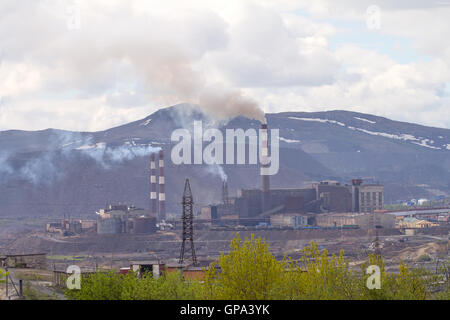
{"points": [[264, 155], [265, 182], [225, 198], [161, 194], [153, 207]]}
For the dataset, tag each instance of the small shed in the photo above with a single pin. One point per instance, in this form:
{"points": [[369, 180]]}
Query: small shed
{"points": [[31, 261], [154, 267]]}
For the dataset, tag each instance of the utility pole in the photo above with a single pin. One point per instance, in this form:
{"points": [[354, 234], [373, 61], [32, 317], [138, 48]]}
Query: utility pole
{"points": [[377, 237], [7, 276], [188, 224]]}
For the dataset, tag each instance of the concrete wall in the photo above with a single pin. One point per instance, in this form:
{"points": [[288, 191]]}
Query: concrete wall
{"points": [[364, 221]]}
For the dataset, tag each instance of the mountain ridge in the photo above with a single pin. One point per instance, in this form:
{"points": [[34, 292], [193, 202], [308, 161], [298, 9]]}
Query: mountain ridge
{"points": [[85, 170]]}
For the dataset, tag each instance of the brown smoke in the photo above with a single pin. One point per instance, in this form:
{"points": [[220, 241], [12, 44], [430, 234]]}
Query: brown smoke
{"points": [[183, 84], [228, 103]]}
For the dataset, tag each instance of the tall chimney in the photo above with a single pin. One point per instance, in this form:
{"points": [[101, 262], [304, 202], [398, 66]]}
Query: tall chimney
{"points": [[225, 198], [161, 194], [264, 154], [265, 182], [153, 207]]}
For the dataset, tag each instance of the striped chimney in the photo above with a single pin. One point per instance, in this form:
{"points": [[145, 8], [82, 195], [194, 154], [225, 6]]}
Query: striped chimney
{"points": [[161, 194], [153, 207]]}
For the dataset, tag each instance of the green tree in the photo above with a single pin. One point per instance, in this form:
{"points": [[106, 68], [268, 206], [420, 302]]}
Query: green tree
{"points": [[114, 286], [248, 271], [408, 284], [171, 286], [98, 286], [317, 275], [441, 283], [3, 274]]}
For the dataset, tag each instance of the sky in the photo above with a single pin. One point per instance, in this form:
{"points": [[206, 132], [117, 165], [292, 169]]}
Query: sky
{"points": [[94, 64]]}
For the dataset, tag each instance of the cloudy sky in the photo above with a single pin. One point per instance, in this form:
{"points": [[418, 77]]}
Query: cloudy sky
{"points": [[90, 65]]}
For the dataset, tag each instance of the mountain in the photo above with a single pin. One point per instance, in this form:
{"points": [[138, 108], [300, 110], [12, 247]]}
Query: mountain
{"points": [[57, 172]]}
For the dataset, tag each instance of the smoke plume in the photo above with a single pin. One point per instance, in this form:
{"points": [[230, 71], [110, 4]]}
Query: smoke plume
{"points": [[63, 146], [164, 59], [217, 170], [105, 156]]}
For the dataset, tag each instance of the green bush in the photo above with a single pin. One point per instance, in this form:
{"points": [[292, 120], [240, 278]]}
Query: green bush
{"points": [[250, 271], [424, 258]]}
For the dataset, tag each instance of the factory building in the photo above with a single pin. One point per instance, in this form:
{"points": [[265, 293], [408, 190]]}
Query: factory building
{"points": [[414, 223], [31, 261], [323, 197], [70, 227], [366, 197], [333, 197], [125, 219], [255, 206], [122, 218], [294, 220], [362, 220]]}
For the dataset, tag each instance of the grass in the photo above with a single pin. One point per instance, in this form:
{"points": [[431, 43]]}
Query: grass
{"points": [[33, 276], [32, 294], [424, 258]]}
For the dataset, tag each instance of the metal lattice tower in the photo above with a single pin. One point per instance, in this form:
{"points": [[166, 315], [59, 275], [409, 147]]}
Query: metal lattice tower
{"points": [[377, 242], [374, 227], [188, 225]]}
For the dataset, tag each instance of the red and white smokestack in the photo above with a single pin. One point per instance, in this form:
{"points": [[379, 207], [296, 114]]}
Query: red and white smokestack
{"points": [[161, 194], [153, 207], [264, 155]]}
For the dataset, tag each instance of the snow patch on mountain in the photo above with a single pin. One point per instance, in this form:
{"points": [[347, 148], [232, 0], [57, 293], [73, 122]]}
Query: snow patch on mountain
{"points": [[365, 120], [405, 137], [423, 142], [99, 145], [319, 120], [289, 140], [145, 123]]}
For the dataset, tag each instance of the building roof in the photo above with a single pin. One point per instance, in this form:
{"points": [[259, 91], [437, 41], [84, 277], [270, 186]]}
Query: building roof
{"points": [[409, 219], [24, 255]]}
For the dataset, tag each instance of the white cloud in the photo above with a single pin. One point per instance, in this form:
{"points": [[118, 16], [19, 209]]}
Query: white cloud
{"points": [[129, 58]]}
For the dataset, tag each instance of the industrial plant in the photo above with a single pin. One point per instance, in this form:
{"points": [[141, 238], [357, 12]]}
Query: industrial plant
{"points": [[253, 207], [127, 238], [128, 219]]}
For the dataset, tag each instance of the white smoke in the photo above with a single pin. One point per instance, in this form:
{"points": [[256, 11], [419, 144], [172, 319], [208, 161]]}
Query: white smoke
{"points": [[5, 167], [43, 169], [101, 153], [40, 170], [105, 156], [217, 171]]}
